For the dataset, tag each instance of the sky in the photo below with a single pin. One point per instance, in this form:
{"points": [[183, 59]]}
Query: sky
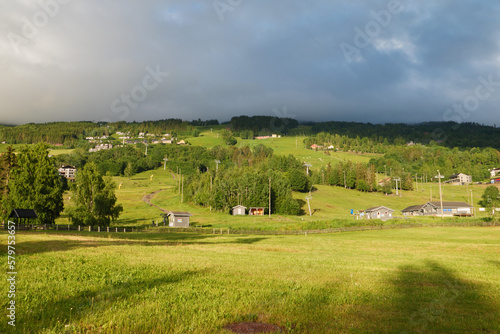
{"points": [[372, 61]]}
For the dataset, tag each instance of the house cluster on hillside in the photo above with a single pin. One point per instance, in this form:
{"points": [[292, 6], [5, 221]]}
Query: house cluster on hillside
{"points": [[319, 147], [101, 147]]}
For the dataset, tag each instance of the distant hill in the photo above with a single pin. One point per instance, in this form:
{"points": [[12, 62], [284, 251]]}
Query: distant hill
{"points": [[449, 134]]}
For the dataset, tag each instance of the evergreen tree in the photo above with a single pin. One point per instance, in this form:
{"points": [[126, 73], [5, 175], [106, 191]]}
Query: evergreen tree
{"points": [[490, 199], [34, 183], [94, 198]]}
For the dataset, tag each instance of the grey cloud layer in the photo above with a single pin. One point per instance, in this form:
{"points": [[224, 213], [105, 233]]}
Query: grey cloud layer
{"points": [[262, 55]]}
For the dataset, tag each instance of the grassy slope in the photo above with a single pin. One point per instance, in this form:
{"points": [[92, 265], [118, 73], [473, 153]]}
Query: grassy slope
{"points": [[327, 203], [285, 146], [429, 280]]}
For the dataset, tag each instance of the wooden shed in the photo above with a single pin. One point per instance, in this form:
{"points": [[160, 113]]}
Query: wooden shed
{"points": [[178, 219], [239, 210], [379, 212], [23, 217], [256, 211]]}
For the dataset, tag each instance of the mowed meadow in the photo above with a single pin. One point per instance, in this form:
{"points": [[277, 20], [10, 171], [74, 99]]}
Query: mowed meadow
{"points": [[423, 280], [418, 280]]}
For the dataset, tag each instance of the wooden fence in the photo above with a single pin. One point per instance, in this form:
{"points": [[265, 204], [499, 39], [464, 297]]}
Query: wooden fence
{"points": [[210, 230]]}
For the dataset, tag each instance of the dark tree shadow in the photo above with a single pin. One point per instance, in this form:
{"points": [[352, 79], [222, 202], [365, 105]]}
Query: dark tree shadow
{"points": [[247, 240], [418, 299], [95, 239], [75, 307], [302, 203], [433, 299]]}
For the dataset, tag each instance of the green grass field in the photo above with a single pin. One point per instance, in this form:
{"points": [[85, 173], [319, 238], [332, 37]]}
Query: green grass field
{"points": [[328, 203], [285, 146], [425, 280], [18, 147]]}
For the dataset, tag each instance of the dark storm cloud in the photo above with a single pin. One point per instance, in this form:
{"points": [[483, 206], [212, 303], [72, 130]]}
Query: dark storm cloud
{"points": [[95, 60]]}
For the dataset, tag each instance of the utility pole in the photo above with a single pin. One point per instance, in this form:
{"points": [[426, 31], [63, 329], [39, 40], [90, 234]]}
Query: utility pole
{"points": [[182, 194], [217, 166], [269, 197], [307, 167], [180, 176], [165, 163], [416, 181], [210, 183], [472, 202], [345, 183], [397, 192], [385, 170], [440, 194], [308, 198], [146, 150]]}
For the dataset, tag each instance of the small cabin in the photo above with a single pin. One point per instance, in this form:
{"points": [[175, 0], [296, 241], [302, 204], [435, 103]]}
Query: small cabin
{"points": [[178, 219], [379, 212], [256, 211], [239, 210]]}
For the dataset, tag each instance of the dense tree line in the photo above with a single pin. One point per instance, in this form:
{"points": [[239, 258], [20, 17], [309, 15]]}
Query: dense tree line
{"points": [[71, 134], [54, 133], [425, 161], [449, 134], [172, 125], [345, 143], [249, 183], [208, 122], [263, 125]]}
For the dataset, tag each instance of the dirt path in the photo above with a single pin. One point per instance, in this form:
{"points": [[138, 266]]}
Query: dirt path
{"points": [[147, 198]]}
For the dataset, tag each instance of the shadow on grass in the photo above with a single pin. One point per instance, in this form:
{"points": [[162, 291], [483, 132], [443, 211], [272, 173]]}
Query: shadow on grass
{"points": [[247, 240], [73, 308], [95, 239], [494, 262], [433, 299], [419, 299]]}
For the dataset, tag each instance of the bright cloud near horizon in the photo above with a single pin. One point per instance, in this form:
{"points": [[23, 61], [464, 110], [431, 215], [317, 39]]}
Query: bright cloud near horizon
{"points": [[366, 61]]}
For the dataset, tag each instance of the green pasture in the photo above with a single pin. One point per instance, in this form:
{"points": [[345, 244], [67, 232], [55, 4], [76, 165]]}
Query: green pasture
{"points": [[328, 203], [285, 146], [425, 280], [16, 147]]}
